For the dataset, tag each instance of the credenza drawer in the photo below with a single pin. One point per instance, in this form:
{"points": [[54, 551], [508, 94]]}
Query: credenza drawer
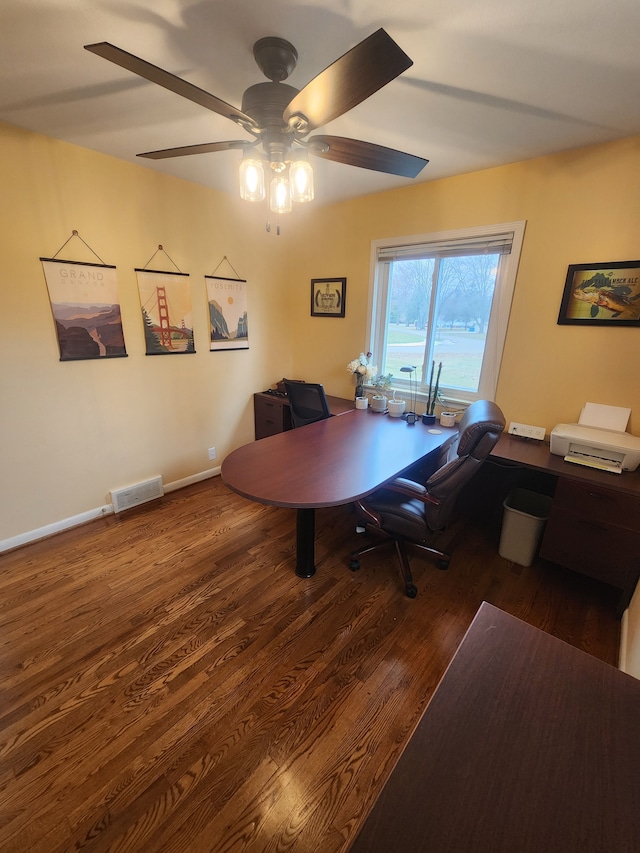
{"points": [[271, 415], [598, 504], [590, 546]]}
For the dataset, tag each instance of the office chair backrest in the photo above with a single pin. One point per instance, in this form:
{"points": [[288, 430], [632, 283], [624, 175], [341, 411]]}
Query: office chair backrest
{"points": [[480, 429], [307, 401]]}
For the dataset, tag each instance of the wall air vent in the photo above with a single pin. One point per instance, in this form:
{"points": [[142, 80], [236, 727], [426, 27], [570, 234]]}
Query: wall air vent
{"points": [[140, 493]]}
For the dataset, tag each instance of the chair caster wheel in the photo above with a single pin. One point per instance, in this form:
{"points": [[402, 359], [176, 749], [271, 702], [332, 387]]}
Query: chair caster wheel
{"points": [[354, 565], [443, 565], [411, 591]]}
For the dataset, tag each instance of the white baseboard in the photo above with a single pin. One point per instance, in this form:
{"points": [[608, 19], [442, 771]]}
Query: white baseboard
{"points": [[195, 478], [90, 515]]}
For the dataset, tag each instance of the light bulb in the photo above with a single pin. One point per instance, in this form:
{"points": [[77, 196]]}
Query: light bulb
{"points": [[279, 195], [301, 177], [251, 179]]}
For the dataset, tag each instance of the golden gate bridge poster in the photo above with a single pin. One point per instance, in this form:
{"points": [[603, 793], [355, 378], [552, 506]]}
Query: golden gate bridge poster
{"points": [[165, 300], [227, 303]]}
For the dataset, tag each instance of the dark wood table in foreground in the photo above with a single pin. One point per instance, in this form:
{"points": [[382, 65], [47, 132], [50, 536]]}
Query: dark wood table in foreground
{"points": [[527, 746], [331, 462]]}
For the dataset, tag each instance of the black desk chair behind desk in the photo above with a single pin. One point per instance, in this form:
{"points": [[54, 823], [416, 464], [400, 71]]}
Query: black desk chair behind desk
{"points": [[407, 511], [307, 401]]}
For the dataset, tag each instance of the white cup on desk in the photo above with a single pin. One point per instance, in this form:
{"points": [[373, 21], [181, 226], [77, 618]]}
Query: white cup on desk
{"points": [[362, 402], [396, 408], [448, 419]]}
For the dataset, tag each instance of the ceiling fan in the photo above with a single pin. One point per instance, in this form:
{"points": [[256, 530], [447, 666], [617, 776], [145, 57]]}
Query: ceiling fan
{"points": [[280, 117]]}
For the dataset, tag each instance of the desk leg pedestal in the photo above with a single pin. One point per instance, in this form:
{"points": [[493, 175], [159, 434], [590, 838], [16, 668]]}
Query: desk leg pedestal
{"points": [[305, 536]]}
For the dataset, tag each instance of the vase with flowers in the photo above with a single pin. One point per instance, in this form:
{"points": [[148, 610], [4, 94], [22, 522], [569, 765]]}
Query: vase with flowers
{"points": [[362, 371]]}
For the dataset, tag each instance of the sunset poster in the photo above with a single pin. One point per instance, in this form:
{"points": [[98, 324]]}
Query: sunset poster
{"points": [[227, 304]]}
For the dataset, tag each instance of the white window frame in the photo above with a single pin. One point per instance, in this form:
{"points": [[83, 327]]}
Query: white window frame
{"points": [[500, 306]]}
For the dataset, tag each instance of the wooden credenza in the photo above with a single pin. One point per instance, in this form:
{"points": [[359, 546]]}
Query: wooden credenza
{"points": [[594, 523], [272, 414], [595, 531]]}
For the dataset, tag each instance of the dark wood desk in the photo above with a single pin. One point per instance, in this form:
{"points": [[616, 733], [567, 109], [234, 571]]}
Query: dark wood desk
{"points": [[527, 746], [536, 455], [331, 462], [594, 523]]}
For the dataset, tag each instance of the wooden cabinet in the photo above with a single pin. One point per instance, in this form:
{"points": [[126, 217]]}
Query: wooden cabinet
{"points": [[594, 524], [271, 414], [596, 531]]}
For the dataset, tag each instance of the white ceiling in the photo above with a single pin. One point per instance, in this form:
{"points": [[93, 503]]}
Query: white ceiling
{"points": [[493, 81]]}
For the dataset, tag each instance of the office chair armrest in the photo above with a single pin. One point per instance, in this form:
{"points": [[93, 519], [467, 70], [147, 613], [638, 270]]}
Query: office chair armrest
{"points": [[412, 490], [368, 514]]}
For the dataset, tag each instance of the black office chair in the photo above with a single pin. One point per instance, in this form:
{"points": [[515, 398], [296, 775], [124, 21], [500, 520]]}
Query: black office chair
{"points": [[307, 401], [407, 511]]}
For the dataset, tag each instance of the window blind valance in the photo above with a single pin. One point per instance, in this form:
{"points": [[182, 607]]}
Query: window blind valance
{"points": [[496, 244]]}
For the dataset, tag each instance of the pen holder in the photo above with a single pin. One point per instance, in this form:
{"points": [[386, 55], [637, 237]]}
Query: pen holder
{"points": [[362, 402]]}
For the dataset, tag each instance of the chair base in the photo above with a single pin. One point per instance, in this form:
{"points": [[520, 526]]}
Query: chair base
{"points": [[401, 552]]}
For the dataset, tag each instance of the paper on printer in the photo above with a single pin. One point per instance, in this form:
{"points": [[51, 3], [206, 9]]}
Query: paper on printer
{"points": [[598, 440]]}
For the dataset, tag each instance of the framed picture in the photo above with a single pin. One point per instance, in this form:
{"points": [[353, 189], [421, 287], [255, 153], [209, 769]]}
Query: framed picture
{"points": [[328, 297], [602, 295]]}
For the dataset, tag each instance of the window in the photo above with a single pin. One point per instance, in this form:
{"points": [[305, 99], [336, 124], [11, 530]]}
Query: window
{"points": [[444, 298]]}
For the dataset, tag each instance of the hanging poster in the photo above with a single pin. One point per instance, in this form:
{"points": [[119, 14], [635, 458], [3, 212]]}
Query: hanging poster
{"points": [[227, 302], [166, 312], [86, 309]]}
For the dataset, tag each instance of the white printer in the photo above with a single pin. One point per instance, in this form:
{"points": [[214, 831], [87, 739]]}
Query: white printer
{"points": [[607, 449]]}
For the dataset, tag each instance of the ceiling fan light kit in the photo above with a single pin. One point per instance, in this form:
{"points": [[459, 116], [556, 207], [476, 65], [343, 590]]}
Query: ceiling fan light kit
{"points": [[282, 192], [280, 117]]}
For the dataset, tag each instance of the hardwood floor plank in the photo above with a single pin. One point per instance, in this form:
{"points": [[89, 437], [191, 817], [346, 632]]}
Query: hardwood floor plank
{"points": [[168, 682]]}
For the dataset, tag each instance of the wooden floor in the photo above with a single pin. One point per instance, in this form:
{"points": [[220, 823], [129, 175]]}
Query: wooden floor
{"points": [[168, 683]]}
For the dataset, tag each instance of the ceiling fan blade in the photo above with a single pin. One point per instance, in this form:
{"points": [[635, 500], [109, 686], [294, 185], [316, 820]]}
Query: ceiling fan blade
{"points": [[169, 81], [204, 148], [363, 70], [366, 155]]}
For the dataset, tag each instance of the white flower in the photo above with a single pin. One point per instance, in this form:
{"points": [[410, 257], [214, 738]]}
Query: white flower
{"points": [[361, 368]]}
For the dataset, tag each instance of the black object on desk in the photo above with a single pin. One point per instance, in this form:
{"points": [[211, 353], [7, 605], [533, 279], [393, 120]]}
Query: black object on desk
{"points": [[307, 401], [272, 413]]}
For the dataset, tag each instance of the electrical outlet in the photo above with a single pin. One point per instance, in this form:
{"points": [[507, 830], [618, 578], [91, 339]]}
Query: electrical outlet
{"points": [[212, 453], [527, 431]]}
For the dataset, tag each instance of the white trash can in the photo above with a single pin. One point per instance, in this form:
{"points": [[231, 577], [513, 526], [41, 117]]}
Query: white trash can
{"points": [[525, 514]]}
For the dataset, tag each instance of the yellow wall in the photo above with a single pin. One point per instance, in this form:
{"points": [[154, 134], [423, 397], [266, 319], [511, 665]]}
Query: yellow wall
{"points": [[71, 432], [583, 206]]}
